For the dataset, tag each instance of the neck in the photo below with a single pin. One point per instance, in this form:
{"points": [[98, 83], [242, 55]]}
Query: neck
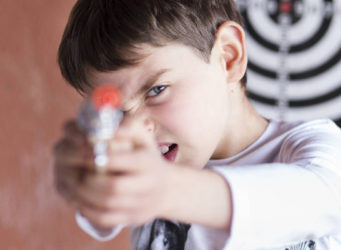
{"points": [[246, 127]]}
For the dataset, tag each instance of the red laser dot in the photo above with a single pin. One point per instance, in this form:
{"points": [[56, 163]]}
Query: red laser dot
{"points": [[106, 95], [286, 7]]}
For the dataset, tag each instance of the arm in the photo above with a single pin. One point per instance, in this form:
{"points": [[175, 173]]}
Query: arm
{"points": [[273, 204], [197, 196], [295, 199], [148, 187]]}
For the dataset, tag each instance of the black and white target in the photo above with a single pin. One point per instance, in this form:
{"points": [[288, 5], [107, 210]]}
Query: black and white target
{"points": [[294, 49]]}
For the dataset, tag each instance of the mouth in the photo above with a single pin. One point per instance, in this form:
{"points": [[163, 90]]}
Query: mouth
{"points": [[169, 151]]}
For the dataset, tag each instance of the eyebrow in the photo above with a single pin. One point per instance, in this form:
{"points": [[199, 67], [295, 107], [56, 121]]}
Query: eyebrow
{"points": [[151, 80]]}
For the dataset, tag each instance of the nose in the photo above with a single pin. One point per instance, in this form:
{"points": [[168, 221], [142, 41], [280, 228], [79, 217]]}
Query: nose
{"points": [[134, 108], [150, 124]]}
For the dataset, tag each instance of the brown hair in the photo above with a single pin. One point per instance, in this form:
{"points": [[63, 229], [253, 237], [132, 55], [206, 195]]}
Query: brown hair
{"points": [[103, 34]]}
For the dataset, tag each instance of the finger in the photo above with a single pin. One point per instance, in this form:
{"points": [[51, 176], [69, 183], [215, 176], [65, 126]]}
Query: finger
{"points": [[110, 219], [74, 133], [67, 179], [115, 185], [67, 153], [70, 176], [128, 162], [107, 201], [119, 146]]}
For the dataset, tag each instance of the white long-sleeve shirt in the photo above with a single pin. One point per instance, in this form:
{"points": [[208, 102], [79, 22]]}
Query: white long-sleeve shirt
{"points": [[286, 193]]}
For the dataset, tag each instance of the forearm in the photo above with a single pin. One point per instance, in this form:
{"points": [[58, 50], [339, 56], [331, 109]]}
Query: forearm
{"points": [[276, 204], [198, 197]]}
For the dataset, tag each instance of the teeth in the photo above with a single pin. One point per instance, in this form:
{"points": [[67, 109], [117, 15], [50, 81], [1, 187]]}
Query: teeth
{"points": [[164, 149]]}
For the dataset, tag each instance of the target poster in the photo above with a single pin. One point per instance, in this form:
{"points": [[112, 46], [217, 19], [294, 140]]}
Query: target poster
{"points": [[294, 49]]}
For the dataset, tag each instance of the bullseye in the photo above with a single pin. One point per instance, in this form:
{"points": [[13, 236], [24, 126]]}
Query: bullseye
{"points": [[285, 7], [294, 49]]}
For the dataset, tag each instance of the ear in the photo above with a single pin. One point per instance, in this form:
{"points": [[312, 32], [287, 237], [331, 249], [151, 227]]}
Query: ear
{"points": [[230, 49]]}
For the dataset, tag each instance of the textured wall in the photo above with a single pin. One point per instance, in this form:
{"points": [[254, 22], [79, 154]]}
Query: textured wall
{"points": [[34, 102]]}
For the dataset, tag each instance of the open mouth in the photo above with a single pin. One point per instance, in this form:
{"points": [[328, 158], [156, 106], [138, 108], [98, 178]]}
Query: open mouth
{"points": [[169, 151]]}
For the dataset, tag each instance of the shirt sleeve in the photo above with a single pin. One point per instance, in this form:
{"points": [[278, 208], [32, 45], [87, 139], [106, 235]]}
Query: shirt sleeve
{"points": [[295, 199], [95, 232]]}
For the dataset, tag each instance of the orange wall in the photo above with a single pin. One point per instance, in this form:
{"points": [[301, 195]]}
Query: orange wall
{"points": [[34, 102]]}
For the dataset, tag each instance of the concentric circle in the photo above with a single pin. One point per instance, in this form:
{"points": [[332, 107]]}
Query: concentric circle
{"points": [[294, 51]]}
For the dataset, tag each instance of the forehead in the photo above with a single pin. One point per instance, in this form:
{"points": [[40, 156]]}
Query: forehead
{"points": [[170, 58]]}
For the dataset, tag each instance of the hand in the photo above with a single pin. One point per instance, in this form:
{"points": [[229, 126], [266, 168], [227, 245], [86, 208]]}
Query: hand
{"points": [[134, 186], [72, 155]]}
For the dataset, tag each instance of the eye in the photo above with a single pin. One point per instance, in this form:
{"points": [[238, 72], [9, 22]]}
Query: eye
{"points": [[156, 90]]}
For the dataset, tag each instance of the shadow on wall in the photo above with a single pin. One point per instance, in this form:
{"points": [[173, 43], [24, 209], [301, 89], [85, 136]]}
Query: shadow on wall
{"points": [[34, 103]]}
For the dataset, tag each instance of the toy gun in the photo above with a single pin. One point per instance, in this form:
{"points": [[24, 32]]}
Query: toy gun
{"points": [[100, 117]]}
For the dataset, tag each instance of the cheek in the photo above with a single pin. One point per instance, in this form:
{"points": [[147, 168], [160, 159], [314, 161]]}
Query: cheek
{"points": [[175, 118], [185, 111], [190, 118]]}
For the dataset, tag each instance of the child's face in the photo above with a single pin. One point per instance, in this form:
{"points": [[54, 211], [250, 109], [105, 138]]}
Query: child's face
{"points": [[186, 100]]}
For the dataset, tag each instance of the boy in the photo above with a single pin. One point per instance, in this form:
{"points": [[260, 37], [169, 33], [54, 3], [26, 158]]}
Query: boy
{"points": [[192, 166]]}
